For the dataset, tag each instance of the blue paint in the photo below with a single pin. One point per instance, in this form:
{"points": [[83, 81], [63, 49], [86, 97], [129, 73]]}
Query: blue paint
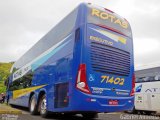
{"points": [[42, 60]]}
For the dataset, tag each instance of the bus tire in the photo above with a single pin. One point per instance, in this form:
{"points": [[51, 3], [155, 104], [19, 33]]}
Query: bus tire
{"points": [[13, 106], [43, 106], [150, 112], [69, 114], [90, 115], [33, 106], [132, 111]]}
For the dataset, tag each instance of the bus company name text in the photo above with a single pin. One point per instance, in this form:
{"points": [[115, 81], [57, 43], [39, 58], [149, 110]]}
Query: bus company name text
{"points": [[153, 90], [106, 16], [19, 73]]}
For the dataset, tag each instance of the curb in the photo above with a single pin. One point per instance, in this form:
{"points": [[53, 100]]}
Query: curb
{"points": [[5, 109]]}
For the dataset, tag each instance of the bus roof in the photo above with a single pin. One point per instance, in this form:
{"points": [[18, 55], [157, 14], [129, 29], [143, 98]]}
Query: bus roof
{"points": [[148, 72]]}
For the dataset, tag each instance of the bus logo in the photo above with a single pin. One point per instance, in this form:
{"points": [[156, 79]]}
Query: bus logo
{"points": [[138, 89]]}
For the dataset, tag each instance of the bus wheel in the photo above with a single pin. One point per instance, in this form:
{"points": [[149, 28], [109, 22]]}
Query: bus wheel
{"points": [[150, 113], [132, 111], [69, 114], [32, 105], [43, 107], [139, 112], [90, 115]]}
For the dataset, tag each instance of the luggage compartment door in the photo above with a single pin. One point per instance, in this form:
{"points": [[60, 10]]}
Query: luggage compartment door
{"points": [[61, 95]]}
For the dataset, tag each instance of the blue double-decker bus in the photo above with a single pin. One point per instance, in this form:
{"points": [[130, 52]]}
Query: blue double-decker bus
{"points": [[84, 65]]}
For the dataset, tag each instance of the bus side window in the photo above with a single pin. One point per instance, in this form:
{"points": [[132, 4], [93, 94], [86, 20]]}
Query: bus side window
{"points": [[157, 77], [138, 80], [10, 87], [141, 79], [26, 80], [146, 79], [14, 86]]}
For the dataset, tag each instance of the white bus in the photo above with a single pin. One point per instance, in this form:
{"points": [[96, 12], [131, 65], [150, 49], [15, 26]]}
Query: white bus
{"points": [[147, 91]]}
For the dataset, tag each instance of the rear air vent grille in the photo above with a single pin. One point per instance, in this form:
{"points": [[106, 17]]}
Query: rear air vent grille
{"points": [[107, 59]]}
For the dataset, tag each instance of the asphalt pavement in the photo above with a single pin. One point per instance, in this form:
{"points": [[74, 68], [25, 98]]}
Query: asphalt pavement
{"points": [[20, 113]]}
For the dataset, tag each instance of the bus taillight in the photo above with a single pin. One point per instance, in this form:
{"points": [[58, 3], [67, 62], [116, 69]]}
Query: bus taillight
{"points": [[81, 82], [133, 85]]}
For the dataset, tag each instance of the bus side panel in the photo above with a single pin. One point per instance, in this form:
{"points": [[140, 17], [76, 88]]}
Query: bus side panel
{"points": [[57, 69], [155, 101], [61, 30], [147, 96], [73, 61]]}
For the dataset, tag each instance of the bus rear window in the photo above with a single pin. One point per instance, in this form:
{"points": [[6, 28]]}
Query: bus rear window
{"points": [[109, 19]]}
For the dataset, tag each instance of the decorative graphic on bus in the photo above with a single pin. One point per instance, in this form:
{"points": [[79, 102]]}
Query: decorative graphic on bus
{"points": [[100, 40], [22, 92], [42, 58], [113, 37], [106, 16], [138, 88]]}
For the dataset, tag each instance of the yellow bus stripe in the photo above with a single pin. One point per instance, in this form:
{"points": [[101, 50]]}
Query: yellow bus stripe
{"points": [[22, 92]]}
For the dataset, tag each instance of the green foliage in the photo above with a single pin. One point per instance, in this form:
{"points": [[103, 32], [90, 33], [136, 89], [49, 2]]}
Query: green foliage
{"points": [[4, 73]]}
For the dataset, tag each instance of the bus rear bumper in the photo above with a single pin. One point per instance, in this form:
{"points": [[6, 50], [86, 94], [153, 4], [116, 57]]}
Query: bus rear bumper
{"points": [[101, 104]]}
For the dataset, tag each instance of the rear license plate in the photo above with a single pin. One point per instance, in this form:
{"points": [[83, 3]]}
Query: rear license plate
{"points": [[113, 102]]}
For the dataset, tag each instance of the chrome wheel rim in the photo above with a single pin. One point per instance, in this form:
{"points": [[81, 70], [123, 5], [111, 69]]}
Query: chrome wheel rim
{"points": [[33, 103], [43, 106]]}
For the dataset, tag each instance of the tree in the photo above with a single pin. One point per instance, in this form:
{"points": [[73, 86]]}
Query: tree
{"points": [[4, 73]]}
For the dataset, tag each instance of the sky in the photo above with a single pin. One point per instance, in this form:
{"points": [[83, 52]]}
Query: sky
{"points": [[24, 22]]}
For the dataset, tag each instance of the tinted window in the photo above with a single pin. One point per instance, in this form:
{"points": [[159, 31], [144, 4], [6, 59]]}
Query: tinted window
{"points": [[148, 78], [55, 35], [100, 16], [21, 83]]}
